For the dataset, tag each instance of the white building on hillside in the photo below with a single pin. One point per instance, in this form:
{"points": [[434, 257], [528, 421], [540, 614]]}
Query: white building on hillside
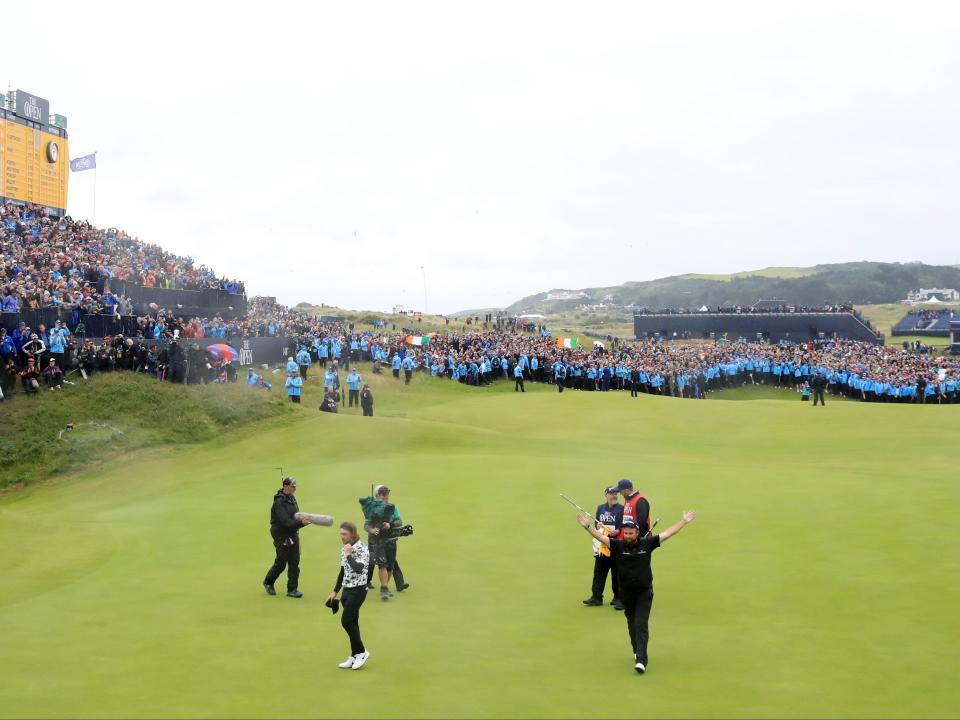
{"points": [[566, 295], [926, 294]]}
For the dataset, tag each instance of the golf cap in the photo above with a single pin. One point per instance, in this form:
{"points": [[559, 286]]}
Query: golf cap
{"points": [[612, 490], [289, 481], [624, 485], [630, 524]]}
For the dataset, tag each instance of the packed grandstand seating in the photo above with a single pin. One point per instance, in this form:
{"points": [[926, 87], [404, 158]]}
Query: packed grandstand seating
{"points": [[757, 308], [924, 322], [51, 263]]}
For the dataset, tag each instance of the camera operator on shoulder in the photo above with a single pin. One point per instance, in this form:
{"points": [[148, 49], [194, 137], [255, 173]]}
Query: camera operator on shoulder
{"points": [[383, 545]]}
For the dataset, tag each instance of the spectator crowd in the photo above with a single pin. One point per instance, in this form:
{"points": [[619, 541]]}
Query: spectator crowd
{"points": [[47, 262], [68, 265]]}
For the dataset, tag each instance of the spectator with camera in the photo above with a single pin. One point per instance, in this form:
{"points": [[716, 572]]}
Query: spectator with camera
{"points": [[366, 401], [30, 376], [53, 375]]}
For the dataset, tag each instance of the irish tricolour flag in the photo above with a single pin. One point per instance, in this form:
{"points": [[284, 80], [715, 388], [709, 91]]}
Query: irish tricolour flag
{"points": [[567, 342], [418, 340]]}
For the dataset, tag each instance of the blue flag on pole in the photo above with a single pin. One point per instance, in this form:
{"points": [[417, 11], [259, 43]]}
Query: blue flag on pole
{"points": [[87, 162]]}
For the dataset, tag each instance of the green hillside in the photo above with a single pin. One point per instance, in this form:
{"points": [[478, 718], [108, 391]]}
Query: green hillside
{"points": [[860, 283], [771, 272], [133, 589]]}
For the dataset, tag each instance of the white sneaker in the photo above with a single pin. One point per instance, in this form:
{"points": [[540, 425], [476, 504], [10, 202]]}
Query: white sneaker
{"points": [[359, 660], [348, 663], [640, 668]]}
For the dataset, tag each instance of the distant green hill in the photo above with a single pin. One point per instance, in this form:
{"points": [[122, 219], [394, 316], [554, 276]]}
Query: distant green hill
{"points": [[859, 283]]}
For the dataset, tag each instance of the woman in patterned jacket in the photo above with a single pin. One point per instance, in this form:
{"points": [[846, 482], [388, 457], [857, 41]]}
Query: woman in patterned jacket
{"points": [[354, 560]]}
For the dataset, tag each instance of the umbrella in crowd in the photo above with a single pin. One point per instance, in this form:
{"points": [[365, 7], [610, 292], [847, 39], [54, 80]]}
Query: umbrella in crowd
{"points": [[225, 351]]}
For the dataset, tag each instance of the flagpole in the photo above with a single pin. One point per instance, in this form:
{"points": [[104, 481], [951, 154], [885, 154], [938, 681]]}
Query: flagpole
{"points": [[94, 189]]}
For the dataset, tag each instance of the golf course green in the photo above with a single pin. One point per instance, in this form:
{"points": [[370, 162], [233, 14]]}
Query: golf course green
{"points": [[821, 577]]}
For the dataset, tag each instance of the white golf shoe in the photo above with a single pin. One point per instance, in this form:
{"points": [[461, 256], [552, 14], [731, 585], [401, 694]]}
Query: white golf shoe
{"points": [[348, 663], [640, 668], [359, 660]]}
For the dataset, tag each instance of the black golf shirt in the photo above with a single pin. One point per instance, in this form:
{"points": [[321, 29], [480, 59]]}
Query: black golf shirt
{"points": [[633, 562]]}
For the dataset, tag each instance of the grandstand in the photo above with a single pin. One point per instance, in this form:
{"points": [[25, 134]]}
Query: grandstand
{"points": [[769, 326], [59, 268], [955, 336], [932, 323]]}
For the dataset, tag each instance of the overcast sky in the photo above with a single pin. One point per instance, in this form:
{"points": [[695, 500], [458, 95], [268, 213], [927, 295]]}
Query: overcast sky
{"points": [[326, 154]]}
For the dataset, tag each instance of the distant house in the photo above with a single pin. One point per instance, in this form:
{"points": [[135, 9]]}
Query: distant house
{"points": [[932, 295]]}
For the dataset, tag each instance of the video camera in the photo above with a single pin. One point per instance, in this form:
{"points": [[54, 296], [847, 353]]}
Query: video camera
{"points": [[377, 513]]}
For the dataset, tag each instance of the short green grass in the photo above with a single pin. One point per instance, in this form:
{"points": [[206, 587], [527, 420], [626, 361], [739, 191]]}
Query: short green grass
{"points": [[819, 580], [119, 412]]}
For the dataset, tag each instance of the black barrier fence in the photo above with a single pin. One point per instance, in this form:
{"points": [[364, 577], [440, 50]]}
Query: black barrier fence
{"points": [[93, 325], [182, 302], [252, 352], [770, 326]]}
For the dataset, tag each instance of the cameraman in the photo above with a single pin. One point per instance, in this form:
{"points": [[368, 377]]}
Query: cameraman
{"points": [[283, 529], [383, 547]]}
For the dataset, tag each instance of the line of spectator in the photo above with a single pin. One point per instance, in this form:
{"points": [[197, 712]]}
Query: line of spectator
{"points": [[781, 308]]}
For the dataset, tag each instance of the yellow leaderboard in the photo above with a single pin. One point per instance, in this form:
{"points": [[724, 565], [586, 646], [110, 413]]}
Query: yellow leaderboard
{"points": [[34, 162]]}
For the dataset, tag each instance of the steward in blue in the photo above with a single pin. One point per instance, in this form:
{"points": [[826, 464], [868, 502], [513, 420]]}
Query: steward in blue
{"points": [[559, 374], [303, 360], [407, 366], [518, 378]]}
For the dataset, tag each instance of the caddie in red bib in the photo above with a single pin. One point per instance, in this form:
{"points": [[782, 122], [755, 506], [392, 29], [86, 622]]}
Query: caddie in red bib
{"points": [[636, 509]]}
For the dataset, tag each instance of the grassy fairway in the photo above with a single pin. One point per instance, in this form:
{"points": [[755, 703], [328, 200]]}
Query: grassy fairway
{"points": [[820, 579]]}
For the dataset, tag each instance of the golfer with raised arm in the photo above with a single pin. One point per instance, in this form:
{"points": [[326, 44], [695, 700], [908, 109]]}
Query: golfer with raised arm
{"points": [[354, 559], [632, 555]]}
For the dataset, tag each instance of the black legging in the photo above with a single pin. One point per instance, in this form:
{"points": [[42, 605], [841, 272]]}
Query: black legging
{"points": [[352, 599], [636, 606]]}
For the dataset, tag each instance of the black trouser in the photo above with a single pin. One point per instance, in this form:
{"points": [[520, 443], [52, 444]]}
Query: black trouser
{"points": [[354, 397], [602, 564], [368, 411], [818, 394], [396, 374], [295, 399], [351, 600], [560, 385], [636, 606], [518, 385], [287, 557], [407, 374], [303, 371], [397, 572]]}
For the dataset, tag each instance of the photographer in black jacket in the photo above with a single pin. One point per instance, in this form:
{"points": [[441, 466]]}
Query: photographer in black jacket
{"points": [[283, 529]]}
